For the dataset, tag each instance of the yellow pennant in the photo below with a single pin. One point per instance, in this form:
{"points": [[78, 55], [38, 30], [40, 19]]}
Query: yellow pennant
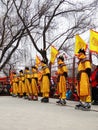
{"points": [[93, 41], [37, 60], [79, 44], [54, 53]]}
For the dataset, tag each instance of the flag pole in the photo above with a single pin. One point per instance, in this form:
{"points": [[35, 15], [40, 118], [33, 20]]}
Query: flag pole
{"points": [[90, 56]]}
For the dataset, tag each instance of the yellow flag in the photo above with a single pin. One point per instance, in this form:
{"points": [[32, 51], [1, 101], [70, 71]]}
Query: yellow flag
{"points": [[37, 60], [54, 53], [79, 44], [93, 41]]}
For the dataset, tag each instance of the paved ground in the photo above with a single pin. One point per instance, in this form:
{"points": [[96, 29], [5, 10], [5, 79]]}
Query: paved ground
{"points": [[20, 114]]}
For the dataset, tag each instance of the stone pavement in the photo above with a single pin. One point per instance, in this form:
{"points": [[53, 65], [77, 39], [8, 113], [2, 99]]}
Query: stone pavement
{"points": [[21, 114]]}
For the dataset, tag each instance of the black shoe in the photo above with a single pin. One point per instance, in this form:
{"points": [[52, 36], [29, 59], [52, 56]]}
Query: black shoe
{"points": [[20, 96], [14, 95], [26, 97], [46, 100], [42, 100]]}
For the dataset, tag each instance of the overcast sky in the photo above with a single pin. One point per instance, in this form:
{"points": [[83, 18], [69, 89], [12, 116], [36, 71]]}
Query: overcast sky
{"points": [[85, 36]]}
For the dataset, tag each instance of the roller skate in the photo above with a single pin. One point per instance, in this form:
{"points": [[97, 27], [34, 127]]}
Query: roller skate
{"points": [[61, 102], [79, 106], [86, 107]]}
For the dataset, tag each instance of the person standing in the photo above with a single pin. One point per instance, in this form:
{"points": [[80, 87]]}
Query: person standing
{"points": [[83, 78], [45, 82], [94, 84], [28, 90], [15, 85], [34, 83], [21, 83], [62, 77]]}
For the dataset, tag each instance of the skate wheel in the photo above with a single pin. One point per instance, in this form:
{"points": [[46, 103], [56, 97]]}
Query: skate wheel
{"points": [[86, 109]]}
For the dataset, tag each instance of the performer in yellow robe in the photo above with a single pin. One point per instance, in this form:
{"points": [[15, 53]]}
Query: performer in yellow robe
{"points": [[14, 85], [83, 77], [21, 83], [45, 82], [39, 80], [28, 90], [62, 77], [34, 83]]}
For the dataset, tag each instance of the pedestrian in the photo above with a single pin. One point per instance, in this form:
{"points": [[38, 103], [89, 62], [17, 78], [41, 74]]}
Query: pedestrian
{"points": [[62, 77], [34, 83], [45, 82], [94, 84], [83, 78]]}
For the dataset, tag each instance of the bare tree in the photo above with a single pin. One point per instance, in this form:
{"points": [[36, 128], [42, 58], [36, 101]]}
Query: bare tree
{"points": [[42, 22], [10, 32], [77, 17]]}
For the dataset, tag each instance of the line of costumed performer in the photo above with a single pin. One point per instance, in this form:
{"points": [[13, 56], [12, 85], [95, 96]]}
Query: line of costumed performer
{"points": [[45, 82], [62, 76], [83, 78]]}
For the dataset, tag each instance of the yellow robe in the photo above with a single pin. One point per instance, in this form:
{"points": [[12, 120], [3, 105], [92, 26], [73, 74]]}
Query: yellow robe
{"points": [[21, 84], [84, 79], [15, 85], [34, 86], [84, 84], [45, 83], [61, 87], [28, 83]]}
